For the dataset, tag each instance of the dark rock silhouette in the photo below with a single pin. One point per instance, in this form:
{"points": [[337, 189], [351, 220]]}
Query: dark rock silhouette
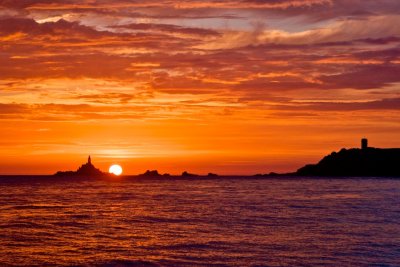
{"points": [[212, 175], [186, 174], [87, 169], [148, 173], [154, 173], [364, 162]]}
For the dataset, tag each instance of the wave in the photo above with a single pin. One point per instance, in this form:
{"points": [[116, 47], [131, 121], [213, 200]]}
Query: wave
{"points": [[153, 219], [126, 263]]}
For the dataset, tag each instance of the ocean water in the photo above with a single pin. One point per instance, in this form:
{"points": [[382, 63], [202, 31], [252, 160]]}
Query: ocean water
{"points": [[205, 222]]}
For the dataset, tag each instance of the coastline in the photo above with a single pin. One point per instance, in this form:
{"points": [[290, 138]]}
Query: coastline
{"points": [[178, 177]]}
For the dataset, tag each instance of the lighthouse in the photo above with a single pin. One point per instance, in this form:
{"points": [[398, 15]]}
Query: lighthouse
{"points": [[364, 143]]}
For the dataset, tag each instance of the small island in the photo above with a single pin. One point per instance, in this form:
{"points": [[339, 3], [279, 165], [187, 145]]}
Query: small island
{"points": [[87, 170], [356, 162]]}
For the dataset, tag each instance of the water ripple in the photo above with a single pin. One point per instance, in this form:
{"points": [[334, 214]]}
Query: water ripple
{"points": [[240, 222]]}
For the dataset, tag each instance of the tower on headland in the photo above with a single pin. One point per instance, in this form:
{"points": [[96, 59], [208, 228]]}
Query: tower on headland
{"points": [[364, 143], [89, 161]]}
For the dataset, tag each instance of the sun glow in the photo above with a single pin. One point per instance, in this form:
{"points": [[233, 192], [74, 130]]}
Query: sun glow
{"points": [[115, 169]]}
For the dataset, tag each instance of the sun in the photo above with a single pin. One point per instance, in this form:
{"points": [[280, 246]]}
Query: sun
{"points": [[115, 169]]}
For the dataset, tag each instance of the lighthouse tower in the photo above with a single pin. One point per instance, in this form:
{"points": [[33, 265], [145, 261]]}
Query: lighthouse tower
{"points": [[89, 161], [364, 143]]}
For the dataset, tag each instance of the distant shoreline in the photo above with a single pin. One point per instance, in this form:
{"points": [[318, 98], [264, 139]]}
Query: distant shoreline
{"points": [[199, 177], [365, 162]]}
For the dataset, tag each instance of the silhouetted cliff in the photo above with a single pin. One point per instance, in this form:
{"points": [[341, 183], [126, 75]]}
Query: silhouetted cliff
{"points": [[366, 162]]}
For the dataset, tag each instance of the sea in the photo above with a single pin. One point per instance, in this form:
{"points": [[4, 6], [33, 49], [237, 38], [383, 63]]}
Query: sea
{"points": [[226, 221]]}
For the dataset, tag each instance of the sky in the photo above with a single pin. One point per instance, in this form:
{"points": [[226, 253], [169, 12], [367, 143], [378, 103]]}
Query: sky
{"points": [[230, 87]]}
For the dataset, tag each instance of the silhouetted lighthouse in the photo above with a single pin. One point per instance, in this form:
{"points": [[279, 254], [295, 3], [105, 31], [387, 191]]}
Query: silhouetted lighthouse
{"points": [[364, 143], [89, 161]]}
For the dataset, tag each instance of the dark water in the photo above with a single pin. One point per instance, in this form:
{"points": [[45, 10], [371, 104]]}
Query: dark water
{"points": [[240, 222]]}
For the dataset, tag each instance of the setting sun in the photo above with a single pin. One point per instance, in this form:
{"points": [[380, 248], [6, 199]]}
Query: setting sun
{"points": [[229, 128], [115, 169]]}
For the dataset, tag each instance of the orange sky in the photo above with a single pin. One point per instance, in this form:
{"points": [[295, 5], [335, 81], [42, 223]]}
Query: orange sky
{"points": [[232, 87]]}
